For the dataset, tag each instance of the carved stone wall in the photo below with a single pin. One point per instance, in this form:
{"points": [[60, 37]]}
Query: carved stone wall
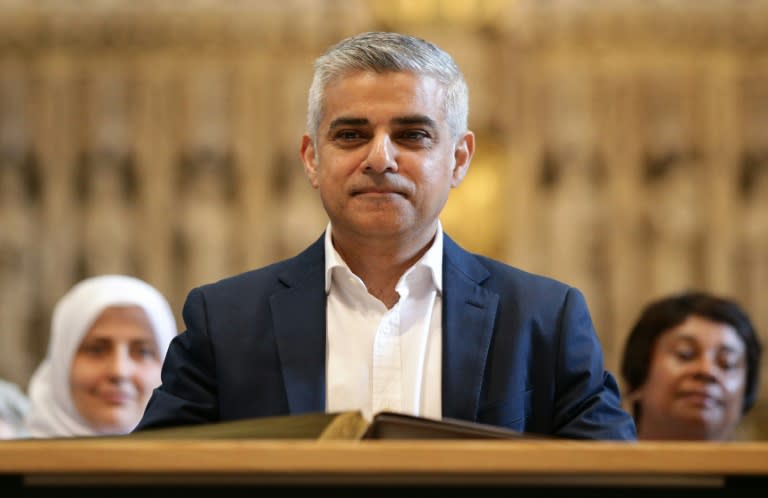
{"points": [[623, 145]]}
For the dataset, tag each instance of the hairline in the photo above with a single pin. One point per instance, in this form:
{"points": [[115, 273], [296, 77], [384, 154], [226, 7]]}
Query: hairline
{"points": [[419, 57]]}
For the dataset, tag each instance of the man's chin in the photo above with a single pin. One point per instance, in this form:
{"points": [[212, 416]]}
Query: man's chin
{"points": [[380, 227]]}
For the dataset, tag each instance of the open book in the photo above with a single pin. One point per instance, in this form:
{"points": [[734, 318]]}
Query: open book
{"points": [[349, 425]]}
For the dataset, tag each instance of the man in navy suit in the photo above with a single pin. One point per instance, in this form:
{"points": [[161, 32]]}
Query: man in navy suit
{"points": [[384, 311]]}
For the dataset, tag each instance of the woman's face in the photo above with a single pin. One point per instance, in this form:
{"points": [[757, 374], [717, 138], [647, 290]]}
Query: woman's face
{"points": [[696, 383], [115, 369]]}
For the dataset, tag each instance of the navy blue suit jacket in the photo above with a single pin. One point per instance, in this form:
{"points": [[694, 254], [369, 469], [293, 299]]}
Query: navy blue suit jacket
{"points": [[519, 350]]}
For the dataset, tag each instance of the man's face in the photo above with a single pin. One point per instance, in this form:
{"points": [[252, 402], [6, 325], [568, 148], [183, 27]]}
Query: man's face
{"points": [[696, 381], [385, 161]]}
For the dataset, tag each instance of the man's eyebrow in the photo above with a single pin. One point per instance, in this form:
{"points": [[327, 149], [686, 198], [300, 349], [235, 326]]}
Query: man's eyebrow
{"points": [[343, 121], [416, 119]]}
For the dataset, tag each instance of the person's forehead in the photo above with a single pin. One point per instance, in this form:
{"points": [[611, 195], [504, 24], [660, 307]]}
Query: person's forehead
{"points": [[393, 81], [123, 313], [706, 333], [404, 93], [115, 320]]}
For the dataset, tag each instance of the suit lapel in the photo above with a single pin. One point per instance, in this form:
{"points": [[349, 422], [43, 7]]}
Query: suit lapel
{"points": [[299, 321], [468, 317]]}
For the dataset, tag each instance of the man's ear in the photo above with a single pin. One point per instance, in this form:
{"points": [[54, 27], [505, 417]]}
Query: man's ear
{"points": [[309, 158], [462, 156]]}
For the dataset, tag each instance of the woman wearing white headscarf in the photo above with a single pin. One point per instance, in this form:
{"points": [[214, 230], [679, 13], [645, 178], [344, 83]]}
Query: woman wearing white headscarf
{"points": [[109, 336]]}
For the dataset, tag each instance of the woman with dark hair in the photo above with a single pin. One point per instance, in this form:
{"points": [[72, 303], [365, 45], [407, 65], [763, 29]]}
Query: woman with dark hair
{"points": [[691, 368]]}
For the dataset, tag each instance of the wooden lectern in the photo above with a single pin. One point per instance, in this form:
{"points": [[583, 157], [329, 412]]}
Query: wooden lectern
{"points": [[143, 467]]}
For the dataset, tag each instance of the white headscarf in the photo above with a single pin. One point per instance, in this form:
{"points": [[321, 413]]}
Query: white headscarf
{"points": [[52, 412]]}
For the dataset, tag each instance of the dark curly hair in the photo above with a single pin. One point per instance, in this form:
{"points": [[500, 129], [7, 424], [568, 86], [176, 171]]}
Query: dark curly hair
{"points": [[669, 312]]}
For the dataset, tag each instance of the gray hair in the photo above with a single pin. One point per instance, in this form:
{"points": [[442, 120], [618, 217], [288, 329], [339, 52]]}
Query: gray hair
{"points": [[383, 52]]}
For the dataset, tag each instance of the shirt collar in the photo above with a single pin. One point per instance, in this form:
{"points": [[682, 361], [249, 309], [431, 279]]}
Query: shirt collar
{"points": [[432, 259]]}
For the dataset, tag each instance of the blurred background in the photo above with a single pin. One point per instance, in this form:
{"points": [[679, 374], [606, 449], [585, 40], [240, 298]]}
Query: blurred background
{"points": [[622, 146]]}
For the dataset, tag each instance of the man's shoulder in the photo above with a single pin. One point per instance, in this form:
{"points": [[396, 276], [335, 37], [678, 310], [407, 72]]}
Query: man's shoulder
{"points": [[505, 273], [493, 272], [499, 267]]}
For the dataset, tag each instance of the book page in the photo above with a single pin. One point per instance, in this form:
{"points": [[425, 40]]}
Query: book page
{"points": [[346, 425]]}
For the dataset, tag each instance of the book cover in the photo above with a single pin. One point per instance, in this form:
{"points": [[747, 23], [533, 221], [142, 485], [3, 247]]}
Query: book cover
{"points": [[349, 425], [392, 425]]}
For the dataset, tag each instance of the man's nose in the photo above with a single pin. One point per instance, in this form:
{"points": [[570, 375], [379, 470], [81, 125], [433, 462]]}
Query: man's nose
{"points": [[382, 155]]}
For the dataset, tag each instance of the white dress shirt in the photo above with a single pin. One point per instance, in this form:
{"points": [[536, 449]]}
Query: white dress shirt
{"points": [[384, 359]]}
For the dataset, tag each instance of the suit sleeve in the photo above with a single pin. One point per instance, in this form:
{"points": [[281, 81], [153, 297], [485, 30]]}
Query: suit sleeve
{"points": [[587, 401], [187, 394]]}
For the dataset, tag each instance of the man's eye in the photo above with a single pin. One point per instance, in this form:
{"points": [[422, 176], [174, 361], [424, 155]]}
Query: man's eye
{"points": [[347, 135], [414, 135]]}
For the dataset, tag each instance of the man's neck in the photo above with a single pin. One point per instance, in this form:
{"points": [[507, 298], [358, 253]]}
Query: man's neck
{"points": [[381, 264]]}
